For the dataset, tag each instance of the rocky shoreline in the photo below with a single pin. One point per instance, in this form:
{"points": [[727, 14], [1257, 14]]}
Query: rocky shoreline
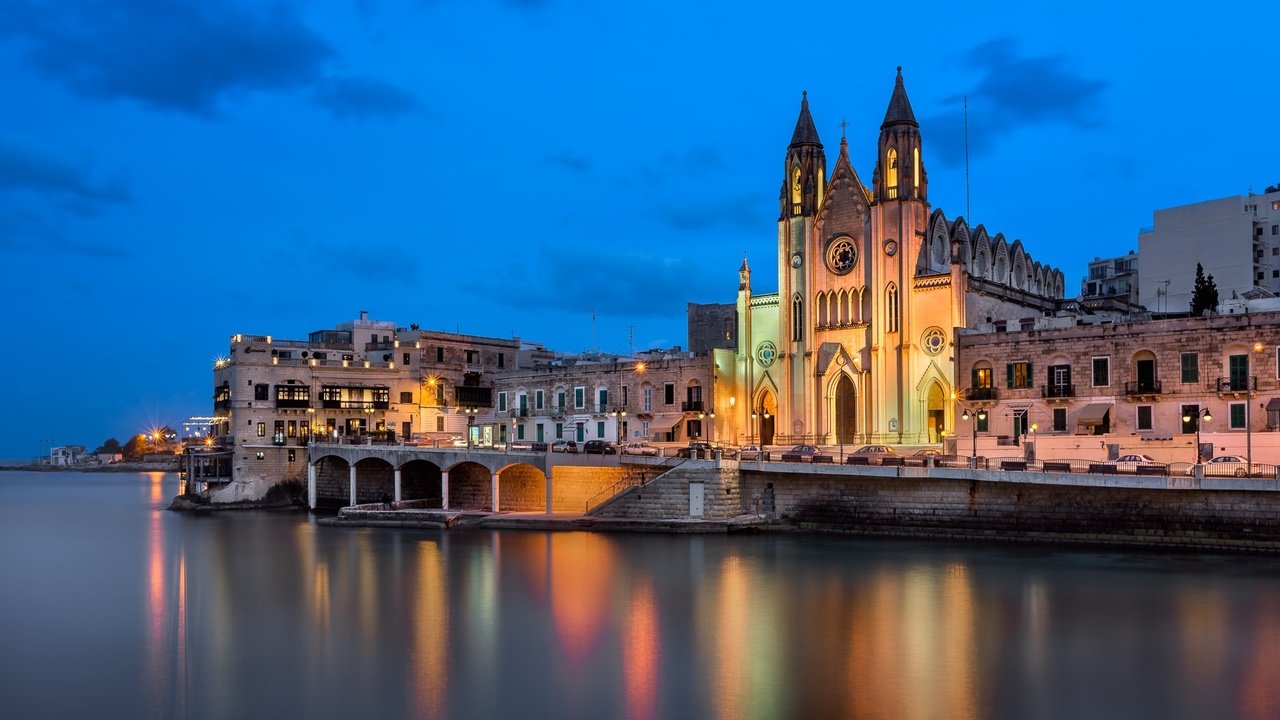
{"points": [[121, 467]]}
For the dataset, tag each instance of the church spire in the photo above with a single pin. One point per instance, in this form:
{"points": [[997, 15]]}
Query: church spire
{"points": [[804, 176], [899, 111]]}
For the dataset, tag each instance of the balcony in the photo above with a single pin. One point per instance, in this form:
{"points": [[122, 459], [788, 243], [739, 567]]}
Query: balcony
{"points": [[287, 403], [557, 410], [355, 404], [691, 406], [375, 346], [1142, 387], [519, 412], [980, 394], [1060, 390], [1235, 384], [599, 409]]}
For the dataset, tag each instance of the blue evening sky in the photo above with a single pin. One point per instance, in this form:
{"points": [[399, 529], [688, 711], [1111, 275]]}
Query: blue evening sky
{"points": [[175, 172]]}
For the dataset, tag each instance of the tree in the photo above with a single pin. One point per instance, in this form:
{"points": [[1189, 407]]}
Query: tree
{"points": [[135, 448], [1204, 294], [110, 446]]}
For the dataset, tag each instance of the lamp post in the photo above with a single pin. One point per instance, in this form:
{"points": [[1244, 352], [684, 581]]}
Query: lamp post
{"points": [[976, 415], [471, 421], [1202, 415], [619, 414], [1248, 421]]}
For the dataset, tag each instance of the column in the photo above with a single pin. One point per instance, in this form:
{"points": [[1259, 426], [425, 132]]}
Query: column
{"points": [[397, 484], [444, 489], [549, 493], [353, 484], [311, 485], [495, 492]]}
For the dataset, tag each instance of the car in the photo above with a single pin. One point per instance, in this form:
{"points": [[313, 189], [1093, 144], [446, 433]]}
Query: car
{"points": [[874, 452], [599, 447], [565, 446], [696, 449], [800, 453], [527, 446], [725, 451], [1233, 466], [458, 442], [639, 448], [927, 452], [753, 452], [1130, 463]]}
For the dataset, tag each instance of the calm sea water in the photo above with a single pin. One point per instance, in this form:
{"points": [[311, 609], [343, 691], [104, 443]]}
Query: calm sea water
{"points": [[112, 607]]}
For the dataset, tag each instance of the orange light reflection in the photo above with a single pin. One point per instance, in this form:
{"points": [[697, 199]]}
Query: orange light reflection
{"points": [[641, 654]]}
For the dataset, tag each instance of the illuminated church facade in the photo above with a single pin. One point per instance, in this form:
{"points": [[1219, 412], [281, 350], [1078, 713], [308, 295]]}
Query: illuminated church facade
{"points": [[858, 343]]}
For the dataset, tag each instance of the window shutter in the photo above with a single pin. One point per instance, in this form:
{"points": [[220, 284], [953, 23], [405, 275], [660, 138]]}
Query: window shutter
{"points": [[1030, 375], [1008, 367], [973, 379]]}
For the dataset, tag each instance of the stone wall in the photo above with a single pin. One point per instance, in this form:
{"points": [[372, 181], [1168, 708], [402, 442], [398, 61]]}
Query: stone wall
{"points": [[960, 507], [522, 488], [708, 324], [667, 495], [471, 487]]}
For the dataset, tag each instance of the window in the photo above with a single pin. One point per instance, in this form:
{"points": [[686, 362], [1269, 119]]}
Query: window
{"points": [[292, 429], [262, 429], [406, 398], [984, 421], [537, 399], [520, 432], [502, 359], [624, 395], [1101, 371], [1236, 412], [600, 429], [669, 391], [1019, 374], [439, 354], [1275, 251], [439, 423], [1144, 417], [408, 359], [471, 356], [1238, 366], [1059, 419], [602, 398], [278, 434], [559, 431], [982, 378], [502, 402], [579, 397], [1190, 418], [260, 392], [891, 308], [1190, 367], [891, 174], [797, 319], [293, 456], [648, 391], [560, 401]]}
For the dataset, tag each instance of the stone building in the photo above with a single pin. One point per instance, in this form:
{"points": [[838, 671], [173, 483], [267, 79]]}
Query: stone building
{"points": [[363, 381], [661, 396], [1127, 381], [857, 345], [711, 326]]}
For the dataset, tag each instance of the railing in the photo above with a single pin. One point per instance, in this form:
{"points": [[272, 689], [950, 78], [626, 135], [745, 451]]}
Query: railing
{"points": [[1058, 391], [617, 488], [355, 404], [981, 393], [691, 406], [1142, 387], [600, 409], [370, 347], [518, 412], [288, 403], [1235, 384]]}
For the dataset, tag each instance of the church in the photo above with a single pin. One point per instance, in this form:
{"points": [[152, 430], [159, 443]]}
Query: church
{"points": [[858, 343]]}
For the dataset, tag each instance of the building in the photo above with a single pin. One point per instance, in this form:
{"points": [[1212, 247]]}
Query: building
{"points": [[857, 345], [363, 381], [64, 455], [661, 396], [1235, 239], [1112, 278], [712, 326], [1129, 382]]}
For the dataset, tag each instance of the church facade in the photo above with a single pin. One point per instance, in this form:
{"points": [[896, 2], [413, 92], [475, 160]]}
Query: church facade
{"points": [[858, 343]]}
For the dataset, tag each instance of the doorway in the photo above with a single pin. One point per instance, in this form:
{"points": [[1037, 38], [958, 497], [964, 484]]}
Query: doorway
{"points": [[846, 411], [935, 413]]}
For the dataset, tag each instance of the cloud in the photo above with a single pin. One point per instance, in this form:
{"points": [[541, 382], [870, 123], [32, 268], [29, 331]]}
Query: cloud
{"points": [[740, 211], [360, 97], [180, 56], [1013, 92], [71, 184], [570, 161]]}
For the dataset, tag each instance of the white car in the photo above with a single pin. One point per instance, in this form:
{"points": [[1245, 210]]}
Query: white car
{"points": [[639, 448], [1130, 463]]}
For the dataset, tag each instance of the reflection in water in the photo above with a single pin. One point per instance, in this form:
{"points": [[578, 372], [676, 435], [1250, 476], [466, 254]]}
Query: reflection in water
{"points": [[581, 567], [246, 614], [641, 652], [429, 658]]}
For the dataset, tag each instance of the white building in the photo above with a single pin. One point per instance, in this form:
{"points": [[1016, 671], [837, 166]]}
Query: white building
{"points": [[68, 455], [1236, 239]]}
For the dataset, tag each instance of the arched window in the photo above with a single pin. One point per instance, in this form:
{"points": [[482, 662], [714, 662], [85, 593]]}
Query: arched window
{"points": [[891, 308], [915, 170], [891, 173], [824, 317], [846, 317], [795, 188], [797, 319]]}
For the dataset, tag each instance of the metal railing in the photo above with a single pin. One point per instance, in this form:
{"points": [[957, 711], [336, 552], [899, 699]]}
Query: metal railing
{"points": [[1058, 391], [981, 393], [1234, 384], [1142, 387], [629, 482], [691, 406]]}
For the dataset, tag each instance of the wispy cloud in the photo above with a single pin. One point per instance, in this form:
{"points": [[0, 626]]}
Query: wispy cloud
{"points": [[570, 161], [362, 97], [182, 56], [1013, 91], [739, 211], [74, 184]]}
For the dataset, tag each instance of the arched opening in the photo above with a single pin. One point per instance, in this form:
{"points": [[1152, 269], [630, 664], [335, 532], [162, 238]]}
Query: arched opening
{"points": [[1144, 366], [935, 413], [470, 487], [375, 481], [891, 174], [332, 482], [522, 488], [765, 413], [845, 411], [420, 480], [891, 308]]}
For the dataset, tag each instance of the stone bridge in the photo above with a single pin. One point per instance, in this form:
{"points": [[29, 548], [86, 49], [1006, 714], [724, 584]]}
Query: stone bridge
{"points": [[462, 479]]}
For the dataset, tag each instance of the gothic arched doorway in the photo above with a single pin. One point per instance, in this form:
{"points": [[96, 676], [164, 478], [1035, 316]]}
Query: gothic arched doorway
{"points": [[766, 412], [845, 409], [935, 410]]}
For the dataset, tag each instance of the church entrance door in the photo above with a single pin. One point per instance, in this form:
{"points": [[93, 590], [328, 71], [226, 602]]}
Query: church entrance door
{"points": [[936, 413], [846, 411]]}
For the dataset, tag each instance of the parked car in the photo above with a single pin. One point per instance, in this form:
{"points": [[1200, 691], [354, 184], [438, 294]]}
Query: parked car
{"points": [[753, 452], [696, 450], [565, 446], [599, 447], [1130, 463], [927, 452], [800, 453], [725, 451], [458, 442], [875, 452], [1234, 466], [528, 446], [639, 448]]}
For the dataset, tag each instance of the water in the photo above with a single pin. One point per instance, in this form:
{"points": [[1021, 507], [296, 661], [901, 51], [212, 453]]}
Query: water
{"points": [[111, 607]]}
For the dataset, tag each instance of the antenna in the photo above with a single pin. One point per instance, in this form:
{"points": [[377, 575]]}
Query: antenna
{"points": [[593, 331], [968, 214], [631, 339]]}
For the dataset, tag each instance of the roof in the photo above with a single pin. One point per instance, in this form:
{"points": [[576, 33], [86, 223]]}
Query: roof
{"points": [[899, 106], [806, 133]]}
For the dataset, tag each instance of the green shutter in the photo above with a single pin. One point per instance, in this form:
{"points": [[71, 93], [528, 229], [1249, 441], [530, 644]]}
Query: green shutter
{"points": [[1008, 375], [1030, 375], [973, 381]]}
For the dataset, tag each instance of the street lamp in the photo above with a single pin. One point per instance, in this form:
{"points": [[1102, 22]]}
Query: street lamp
{"points": [[619, 414], [471, 421], [1199, 416], [758, 415]]}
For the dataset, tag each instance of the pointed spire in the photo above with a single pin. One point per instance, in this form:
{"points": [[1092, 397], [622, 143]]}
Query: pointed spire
{"points": [[744, 267], [806, 133], [899, 106]]}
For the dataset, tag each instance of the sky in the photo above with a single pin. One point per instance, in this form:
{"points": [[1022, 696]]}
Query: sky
{"points": [[566, 171]]}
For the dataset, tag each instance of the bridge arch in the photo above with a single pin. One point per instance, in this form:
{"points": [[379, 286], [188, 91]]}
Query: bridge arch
{"points": [[521, 488], [421, 480]]}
